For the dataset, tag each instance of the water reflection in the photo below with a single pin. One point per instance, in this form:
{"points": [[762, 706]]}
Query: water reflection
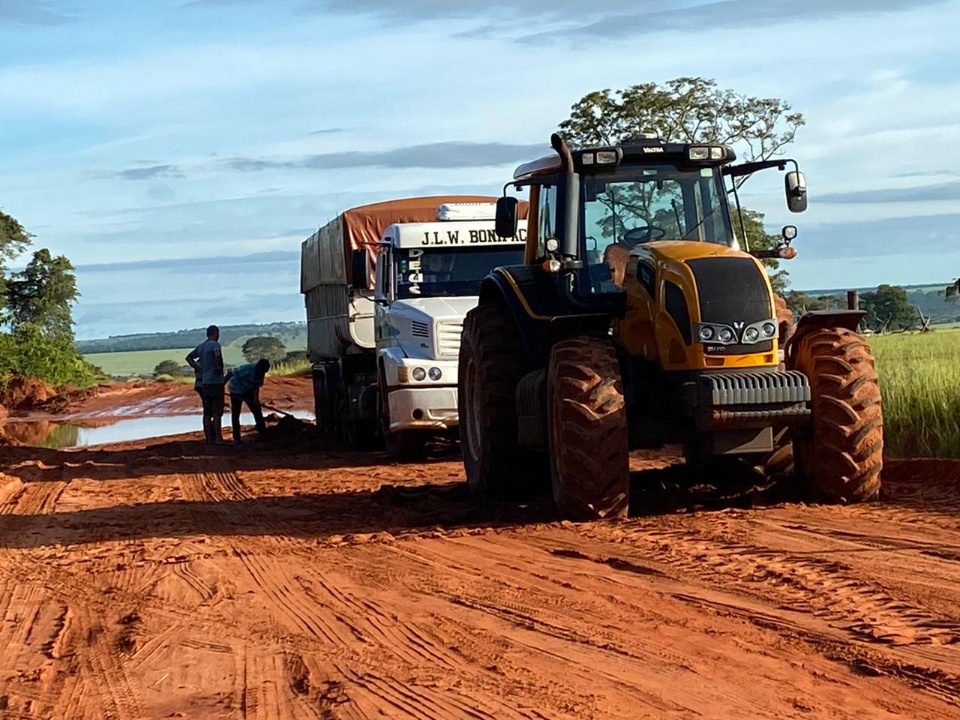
{"points": [[47, 434]]}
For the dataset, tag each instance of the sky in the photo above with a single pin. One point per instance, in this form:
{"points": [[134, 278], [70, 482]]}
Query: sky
{"points": [[179, 151]]}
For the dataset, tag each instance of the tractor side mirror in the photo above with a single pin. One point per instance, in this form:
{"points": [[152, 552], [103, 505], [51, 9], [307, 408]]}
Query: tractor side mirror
{"points": [[507, 217], [359, 269], [795, 187]]}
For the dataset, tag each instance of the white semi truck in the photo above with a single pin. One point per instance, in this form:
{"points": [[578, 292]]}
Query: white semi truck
{"points": [[386, 287]]}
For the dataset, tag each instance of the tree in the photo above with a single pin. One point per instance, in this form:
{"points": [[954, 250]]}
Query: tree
{"points": [[42, 295], [690, 109], [13, 241], [168, 367], [888, 308], [264, 347]]}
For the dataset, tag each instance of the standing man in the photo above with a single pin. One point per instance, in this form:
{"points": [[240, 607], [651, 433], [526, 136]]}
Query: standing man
{"points": [[245, 385], [208, 358]]}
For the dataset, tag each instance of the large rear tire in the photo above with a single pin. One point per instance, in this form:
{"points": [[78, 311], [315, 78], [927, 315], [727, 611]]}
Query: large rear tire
{"points": [[587, 427], [842, 454], [492, 360]]}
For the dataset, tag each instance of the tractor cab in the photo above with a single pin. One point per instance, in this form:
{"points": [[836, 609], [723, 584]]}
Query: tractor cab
{"points": [[591, 209]]}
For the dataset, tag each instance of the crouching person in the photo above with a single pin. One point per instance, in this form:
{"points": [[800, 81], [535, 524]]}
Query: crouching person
{"points": [[245, 387]]}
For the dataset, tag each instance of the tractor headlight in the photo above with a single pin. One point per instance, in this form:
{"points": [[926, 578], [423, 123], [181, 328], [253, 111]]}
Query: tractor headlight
{"points": [[419, 374], [725, 335], [706, 333], [769, 330], [751, 334], [435, 373]]}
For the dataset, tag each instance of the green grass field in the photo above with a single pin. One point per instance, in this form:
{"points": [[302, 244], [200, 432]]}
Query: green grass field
{"points": [[142, 363], [920, 382]]}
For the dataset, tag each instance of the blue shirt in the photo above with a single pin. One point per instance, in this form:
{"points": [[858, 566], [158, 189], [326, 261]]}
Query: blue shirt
{"points": [[210, 358], [244, 379]]}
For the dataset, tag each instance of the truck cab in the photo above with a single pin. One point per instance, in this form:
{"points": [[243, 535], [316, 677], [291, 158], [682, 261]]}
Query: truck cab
{"points": [[428, 276]]}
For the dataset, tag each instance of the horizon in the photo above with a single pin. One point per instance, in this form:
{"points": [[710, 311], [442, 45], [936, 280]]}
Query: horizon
{"points": [[179, 156]]}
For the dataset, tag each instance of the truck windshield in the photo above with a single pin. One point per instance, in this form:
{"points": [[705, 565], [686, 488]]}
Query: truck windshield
{"points": [[643, 203], [448, 272]]}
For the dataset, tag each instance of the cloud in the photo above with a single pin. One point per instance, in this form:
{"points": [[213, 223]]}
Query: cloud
{"points": [[612, 18], [432, 155], [329, 131], [923, 193], [713, 16], [31, 12], [149, 173], [200, 264]]}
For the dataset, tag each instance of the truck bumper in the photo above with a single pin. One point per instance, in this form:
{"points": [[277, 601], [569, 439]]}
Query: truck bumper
{"points": [[427, 408]]}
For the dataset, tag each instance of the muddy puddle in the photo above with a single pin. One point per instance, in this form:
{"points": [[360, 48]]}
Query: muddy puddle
{"points": [[84, 432]]}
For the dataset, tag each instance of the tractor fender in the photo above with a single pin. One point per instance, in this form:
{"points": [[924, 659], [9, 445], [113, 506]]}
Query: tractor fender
{"points": [[531, 303], [820, 319], [533, 299]]}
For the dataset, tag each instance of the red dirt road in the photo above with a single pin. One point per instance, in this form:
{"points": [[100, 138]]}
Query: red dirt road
{"points": [[168, 579]]}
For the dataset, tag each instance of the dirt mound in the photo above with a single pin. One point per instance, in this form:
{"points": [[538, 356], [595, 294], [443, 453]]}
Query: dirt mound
{"points": [[25, 393], [288, 430]]}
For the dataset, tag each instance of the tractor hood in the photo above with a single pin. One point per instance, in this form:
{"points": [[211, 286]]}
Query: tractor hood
{"points": [[720, 284]]}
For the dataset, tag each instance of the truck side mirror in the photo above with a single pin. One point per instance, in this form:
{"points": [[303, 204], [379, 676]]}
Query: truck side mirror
{"points": [[359, 268], [795, 186], [788, 233], [507, 217]]}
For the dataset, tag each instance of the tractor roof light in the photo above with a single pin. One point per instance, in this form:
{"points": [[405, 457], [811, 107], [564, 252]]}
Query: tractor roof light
{"points": [[705, 153], [607, 156]]}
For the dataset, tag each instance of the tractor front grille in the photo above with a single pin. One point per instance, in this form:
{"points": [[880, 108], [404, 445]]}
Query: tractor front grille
{"points": [[731, 291], [761, 388]]}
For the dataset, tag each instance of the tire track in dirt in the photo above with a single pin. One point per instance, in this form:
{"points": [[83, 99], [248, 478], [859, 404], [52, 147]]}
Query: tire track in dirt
{"points": [[823, 588], [313, 604], [908, 641], [103, 668]]}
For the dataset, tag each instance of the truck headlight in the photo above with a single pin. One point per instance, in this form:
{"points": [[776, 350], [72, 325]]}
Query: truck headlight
{"points": [[435, 373], [769, 330], [751, 334], [706, 333], [419, 374], [725, 335]]}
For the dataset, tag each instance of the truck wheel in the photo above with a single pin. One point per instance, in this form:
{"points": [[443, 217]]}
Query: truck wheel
{"points": [[842, 454], [402, 446], [589, 445], [491, 362], [324, 404]]}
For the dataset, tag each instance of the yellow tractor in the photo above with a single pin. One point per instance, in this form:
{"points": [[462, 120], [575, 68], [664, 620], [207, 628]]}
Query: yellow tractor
{"points": [[640, 318]]}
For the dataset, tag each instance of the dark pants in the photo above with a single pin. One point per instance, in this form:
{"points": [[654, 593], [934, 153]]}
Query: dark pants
{"points": [[236, 405]]}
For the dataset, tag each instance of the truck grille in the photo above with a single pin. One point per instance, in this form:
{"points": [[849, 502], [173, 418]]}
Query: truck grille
{"points": [[448, 338], [420, 329]]}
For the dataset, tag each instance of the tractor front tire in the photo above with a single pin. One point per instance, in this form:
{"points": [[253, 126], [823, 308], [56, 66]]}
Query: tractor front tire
{"points": [[841, 455], [492, 360], [587, 421]]}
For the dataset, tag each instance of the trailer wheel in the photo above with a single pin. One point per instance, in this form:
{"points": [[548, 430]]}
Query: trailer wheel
{"points": [[842, 454], [589, 445], [491, 362], [319, 403]]}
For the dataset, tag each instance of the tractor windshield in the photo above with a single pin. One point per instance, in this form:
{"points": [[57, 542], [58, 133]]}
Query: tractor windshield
{"points": [[644, 203]]}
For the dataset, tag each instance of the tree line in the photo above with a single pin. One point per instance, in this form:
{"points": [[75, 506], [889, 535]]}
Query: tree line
{"points": [[36, 303]]}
